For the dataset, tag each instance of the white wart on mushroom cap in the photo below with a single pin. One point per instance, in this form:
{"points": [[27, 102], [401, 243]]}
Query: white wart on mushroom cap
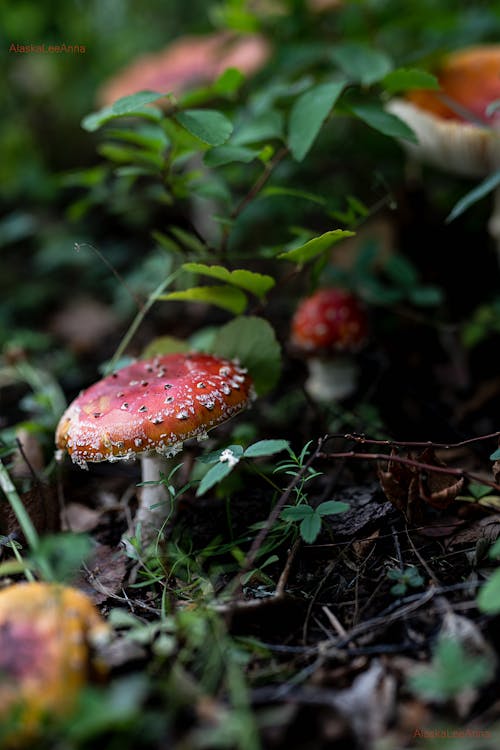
{"points": [[152, 406]]}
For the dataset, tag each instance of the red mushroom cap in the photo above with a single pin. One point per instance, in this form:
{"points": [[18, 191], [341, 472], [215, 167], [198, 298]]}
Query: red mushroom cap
{"points": [[153, 405], [330, 320], [471, 79]]}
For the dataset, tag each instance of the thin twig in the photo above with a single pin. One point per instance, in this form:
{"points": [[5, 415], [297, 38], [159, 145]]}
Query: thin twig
{"points": [[116, 274], [461, 473], [414, 444]]}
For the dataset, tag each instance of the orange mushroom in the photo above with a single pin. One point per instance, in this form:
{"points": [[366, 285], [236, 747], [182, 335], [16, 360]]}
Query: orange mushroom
{"points": [[46, 636], [456, 129]]}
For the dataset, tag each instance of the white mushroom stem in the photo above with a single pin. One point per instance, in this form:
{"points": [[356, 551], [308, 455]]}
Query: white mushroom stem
{"points": [[154, 499], [331, 379]]}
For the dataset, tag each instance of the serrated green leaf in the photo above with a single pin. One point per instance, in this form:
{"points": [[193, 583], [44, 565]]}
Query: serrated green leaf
{"points": [[406, 79], [332, 507], [475, 195], [256, 283], [253, 341], [213, 476], [266, 448], [385, 122], [208, 125], [361, 63], [308, 113], [311, 249], [218, 157], [495, 456], [310, 528], [227, 297]]}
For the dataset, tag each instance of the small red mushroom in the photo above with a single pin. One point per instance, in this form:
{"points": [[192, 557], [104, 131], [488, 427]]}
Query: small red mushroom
{"points": [[148, 410], [329, 327]]}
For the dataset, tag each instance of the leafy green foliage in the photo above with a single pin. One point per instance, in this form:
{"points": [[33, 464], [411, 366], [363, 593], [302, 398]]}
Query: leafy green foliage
{"points": [[226, 459], [361, 63], [308, 113], [311, 249], [311, 518], [208, 125], [386, 123], [128, 106], [452, 671], [405, 579], [256, 283], [475, 195], [406, 79], [227, 297], [253, 342]]}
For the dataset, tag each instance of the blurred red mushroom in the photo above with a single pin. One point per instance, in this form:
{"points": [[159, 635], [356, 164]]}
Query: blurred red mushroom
{"points": [[456, 129], [328, 328], [188, 62], [47, 635], [148, 410]]}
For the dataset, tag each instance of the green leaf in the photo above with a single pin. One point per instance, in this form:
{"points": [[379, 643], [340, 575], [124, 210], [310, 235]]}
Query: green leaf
{"points": [[426, 296], [267, 126], [308, 114], [488, 599], [495, 550], [208, 125], [65, 553], [311, 249], [405, 79], [452, 671], [361, 63], [310, 527], [226, 297], [228, 83], [218, 157], [479, 490], [385, 122], [495, 456], [331, 507], [253, 341], [468, 200], [296, 512], [266, 448], [213, 476], [128, 106], [256, 283]]}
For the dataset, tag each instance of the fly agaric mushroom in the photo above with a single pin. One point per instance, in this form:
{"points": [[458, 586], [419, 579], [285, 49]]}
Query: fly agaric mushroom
{"points": [[329, 327], [188, 62], [455, 129], [47, 632], [149, 409]]}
